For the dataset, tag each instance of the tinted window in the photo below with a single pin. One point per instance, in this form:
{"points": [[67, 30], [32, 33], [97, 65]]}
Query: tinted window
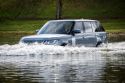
{"points": [[57, 27], [78, 26], [88, 27], [99, 27], [94, 26]]}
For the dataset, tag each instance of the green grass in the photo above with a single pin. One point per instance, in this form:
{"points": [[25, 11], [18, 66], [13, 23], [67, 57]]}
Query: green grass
{"points": [[21, 25], [12, 37], [12, 30], [114, 25]]}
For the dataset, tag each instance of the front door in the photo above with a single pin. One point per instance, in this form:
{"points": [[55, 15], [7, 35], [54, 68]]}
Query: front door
{"points": [[78, 38]]}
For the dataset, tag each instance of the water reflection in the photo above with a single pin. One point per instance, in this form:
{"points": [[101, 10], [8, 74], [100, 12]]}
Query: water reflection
{"points": [[53, 64], [87, 69], [115, 68]]}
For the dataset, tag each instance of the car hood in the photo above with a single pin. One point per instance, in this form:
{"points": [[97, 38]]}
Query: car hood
{"points": [[47, 36]]}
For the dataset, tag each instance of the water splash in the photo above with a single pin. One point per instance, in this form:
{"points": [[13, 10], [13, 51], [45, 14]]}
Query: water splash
{"points": [[23, 49], [38, 51]]}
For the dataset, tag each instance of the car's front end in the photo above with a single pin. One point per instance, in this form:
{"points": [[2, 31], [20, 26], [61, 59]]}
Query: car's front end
{"points": [[52, 33], [47, 39]]}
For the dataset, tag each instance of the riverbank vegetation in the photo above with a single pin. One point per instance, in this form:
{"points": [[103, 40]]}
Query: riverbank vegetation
{"points": [[36, 9]]}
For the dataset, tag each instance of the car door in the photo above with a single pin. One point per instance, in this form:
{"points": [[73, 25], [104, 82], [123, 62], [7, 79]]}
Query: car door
{"points": [[78, 39], [89, 34]]}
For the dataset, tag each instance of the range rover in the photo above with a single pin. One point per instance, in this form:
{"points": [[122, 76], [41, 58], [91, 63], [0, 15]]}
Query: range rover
{"points": [[76, 32]]}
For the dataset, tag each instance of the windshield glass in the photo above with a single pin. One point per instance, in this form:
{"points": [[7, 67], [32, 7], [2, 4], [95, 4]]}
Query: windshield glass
{"points": [[57, 27]]}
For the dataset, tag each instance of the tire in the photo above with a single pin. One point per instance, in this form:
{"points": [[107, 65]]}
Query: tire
{"points": [[98, 44], [63, 44]]}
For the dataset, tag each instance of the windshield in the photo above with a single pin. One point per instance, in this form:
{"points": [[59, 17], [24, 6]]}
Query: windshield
{"points": [[57, 27]]}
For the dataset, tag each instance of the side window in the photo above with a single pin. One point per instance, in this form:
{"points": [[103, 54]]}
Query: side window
{"points": [[99, 27], [88, 27], [78, 26], [94, 26]]}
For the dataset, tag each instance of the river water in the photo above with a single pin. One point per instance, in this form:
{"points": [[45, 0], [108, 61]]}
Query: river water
{"points": [[56, 64]]}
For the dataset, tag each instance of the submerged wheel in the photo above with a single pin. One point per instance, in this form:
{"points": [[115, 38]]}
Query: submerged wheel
{"points": [[98, 44], [63, 44]]}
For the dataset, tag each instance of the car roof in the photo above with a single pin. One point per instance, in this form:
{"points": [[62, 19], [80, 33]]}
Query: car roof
{"points": [[74, 20]]}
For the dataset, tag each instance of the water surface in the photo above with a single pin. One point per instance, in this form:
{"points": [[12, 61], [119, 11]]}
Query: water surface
{"points": [[56, 64]]}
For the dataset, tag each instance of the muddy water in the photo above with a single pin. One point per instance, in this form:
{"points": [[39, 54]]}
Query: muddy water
{"points": [[55, 64]]}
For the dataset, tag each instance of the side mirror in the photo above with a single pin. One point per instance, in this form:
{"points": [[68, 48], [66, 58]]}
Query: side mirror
{"points": [[76, 31], [37, 31]]}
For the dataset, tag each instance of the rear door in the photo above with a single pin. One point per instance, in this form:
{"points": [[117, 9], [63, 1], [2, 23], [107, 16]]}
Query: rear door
{"points": [[89, 34]]}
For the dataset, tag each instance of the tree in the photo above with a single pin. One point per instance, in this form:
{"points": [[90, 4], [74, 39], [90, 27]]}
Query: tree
{"points": [[58, 9]]}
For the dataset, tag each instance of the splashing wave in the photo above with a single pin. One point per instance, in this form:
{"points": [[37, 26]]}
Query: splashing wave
{"points": [[38, 49]]}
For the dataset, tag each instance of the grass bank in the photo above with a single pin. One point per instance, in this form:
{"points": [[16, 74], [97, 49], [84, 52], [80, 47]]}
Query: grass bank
{"points": [[12, 37], [21, 25], [114, 25]]}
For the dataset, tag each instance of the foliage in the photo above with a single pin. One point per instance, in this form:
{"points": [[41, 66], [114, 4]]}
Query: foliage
{"points": [[71, 8]]}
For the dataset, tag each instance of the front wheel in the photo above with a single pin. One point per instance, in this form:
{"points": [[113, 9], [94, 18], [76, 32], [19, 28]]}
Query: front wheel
{"points": [[63, 44]]}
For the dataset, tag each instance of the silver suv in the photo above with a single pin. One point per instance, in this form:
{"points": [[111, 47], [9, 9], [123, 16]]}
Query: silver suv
{"points": [[69, 32]]}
